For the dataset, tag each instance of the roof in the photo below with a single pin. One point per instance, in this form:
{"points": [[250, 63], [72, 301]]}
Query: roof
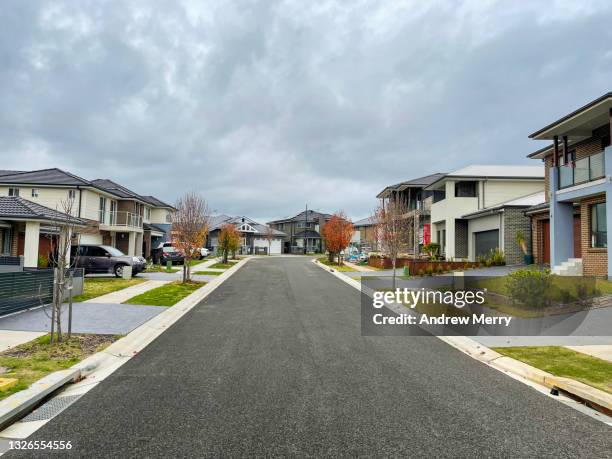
{"points": [[312, 214], [156, 202], [216, 222], [307, 233], [420, 182], [14, 207], [52, 176], [368, 221], [502, 171], [524, 201], [5, 172], [598, 108], [150, 227], [537, 208], [116, 189]]}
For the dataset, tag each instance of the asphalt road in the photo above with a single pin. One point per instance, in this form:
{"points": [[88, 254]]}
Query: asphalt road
{"points": [[273, 363]]}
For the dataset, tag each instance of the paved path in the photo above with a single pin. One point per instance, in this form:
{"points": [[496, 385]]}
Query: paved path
{"points": [[602, 351], [273, 364], [123, 295], [12, 338], [105, 319]]}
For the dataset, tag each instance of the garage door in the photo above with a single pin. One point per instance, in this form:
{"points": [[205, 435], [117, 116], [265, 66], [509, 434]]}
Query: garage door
{"points": [[486, 241]]}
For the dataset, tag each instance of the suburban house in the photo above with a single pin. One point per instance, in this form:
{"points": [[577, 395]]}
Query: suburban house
{"points": [[113, 215], [255, 237], [418, 199], [303, 231], [570, 228], [365, 238], [497, 227], [474, 188]]}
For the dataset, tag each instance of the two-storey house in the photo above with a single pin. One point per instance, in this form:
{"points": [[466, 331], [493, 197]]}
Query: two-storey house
{"points": [[303, 232], [460, 194], [570, 230], [255, 238]]}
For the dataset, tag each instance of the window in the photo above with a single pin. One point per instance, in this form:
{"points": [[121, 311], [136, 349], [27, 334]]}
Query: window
{"points": [[34, 192], [168, 217], [599, 232], [13, 191], [466, 189], [102, 217], [571, 157], [148, 213], [71, 194], [439, 195]]}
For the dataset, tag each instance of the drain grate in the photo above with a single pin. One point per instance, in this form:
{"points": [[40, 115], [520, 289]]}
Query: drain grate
{"points": [[52, 408]]}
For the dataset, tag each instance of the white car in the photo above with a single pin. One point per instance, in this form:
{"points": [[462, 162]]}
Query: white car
{"points": [[204, 252]]}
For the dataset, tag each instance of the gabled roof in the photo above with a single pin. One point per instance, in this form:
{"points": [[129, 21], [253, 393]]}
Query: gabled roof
{"points": [[52, 176], [5, 172], [489, 171], [368, 221], [156, 202], [14, 207], [302, 216], [420, 182], [217, 221], [522, 202]]}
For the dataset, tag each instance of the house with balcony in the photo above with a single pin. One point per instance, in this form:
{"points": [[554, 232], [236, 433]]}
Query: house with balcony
{"points": [[460, 196], [570, 228], [418, 199], [113, 215], [302, 232], [365, 237]]}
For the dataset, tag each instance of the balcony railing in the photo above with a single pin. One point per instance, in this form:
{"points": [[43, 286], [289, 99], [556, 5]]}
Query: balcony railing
{"points": [[582, 171], [120, 218]]}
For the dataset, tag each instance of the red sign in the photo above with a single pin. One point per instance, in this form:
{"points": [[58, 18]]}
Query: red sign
{"points": [[426, 234]]}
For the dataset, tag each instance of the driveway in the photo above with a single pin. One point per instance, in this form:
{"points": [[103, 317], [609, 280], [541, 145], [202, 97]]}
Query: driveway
{"points": [[105, 319], [273, 363]]}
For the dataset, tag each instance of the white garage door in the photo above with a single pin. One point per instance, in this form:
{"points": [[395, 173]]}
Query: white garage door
{"points": [[275, 247], [91, 239]]}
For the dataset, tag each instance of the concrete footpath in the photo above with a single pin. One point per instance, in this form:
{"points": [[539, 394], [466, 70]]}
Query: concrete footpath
{"points": [[123, 295], [12, 338]]}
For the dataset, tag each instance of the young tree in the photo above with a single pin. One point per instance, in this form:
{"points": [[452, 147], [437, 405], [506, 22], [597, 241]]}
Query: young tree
{"points": [[337, 234], [189, 228], [269, 237], [60, 258], [229, 241], [393, 229]]}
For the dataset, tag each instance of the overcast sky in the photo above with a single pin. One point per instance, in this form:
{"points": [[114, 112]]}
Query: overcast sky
{"points": [[265, 106]]}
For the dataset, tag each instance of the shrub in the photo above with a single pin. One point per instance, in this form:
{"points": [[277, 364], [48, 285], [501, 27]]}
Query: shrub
{"points": [[439, 269], [43, 262], [530, 287], [497, 257], [421, 272], [429, 270]]}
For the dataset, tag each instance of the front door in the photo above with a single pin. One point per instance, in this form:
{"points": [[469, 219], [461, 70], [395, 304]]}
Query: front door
{"points": [[546, 240], [577, 237]]}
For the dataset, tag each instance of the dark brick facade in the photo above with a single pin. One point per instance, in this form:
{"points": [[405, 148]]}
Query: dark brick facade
{"points": [[515, 221], [461, 238]]}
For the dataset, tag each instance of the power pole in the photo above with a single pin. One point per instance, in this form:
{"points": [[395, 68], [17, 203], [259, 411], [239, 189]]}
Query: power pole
{"points": [[305, 229]]}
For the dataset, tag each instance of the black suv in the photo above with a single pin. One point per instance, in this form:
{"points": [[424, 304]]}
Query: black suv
{"points": [[106, 259]]}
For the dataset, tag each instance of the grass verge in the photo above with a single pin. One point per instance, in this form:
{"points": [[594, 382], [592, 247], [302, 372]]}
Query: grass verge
{"points": [[160, 269], [95, 287], [564, 362], [208, 273], [32, 361], [221, 265], [336, 266], [166, 295]]}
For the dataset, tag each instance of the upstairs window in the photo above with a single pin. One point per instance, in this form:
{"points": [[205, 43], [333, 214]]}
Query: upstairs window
{"points": [[599, 232], [439, 195], [71, 194], [13, 191], [466, 189], [34, 192]]}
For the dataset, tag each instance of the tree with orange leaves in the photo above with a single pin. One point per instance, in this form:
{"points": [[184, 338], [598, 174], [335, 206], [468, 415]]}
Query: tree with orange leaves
{"points": [[337, 234], [229, 240]]}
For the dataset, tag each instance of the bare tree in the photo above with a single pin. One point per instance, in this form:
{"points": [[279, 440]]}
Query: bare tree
{"points": [[269, 237], [190, 225], [393, 229], [63, 242]]}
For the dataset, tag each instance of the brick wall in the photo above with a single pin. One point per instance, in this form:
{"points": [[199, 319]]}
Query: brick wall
{"points": [[594, 261], [537, 235], [514, 221]]}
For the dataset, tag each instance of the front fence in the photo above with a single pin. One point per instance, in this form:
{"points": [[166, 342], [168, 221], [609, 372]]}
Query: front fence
{"points": [[31, 288]]}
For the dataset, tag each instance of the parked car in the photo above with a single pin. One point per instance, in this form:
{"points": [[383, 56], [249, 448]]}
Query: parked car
{"points": [[167, 252], [106, 259], [204, 252]]}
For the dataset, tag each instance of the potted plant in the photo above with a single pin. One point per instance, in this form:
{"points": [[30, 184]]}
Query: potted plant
{"points": [[522, 243]]}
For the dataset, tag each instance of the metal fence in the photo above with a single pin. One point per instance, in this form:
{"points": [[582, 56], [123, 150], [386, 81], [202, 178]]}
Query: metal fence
{"points": [[10, 264], [30, 288]]}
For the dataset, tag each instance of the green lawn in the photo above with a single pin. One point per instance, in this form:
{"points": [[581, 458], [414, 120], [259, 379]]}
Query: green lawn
{"points": [[564, 362], [336, 266], [34, 360], [98, 286], [160, 269], [208, 273], [166, 295], [221, 265]]}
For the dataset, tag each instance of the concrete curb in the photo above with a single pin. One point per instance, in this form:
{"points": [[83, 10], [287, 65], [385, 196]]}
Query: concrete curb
{"points": [[98, 366], [505, 364]]}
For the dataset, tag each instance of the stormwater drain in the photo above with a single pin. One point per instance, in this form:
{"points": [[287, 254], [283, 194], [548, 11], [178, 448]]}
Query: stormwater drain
{"points": [[52, 408]]}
